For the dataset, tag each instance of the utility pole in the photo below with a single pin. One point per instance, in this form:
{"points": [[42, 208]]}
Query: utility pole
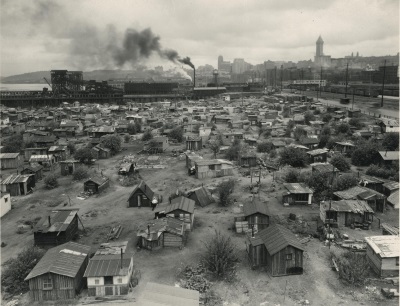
{"points": [[383, 82], [281, 77], [352, 103], [320, 83], [330, 207], [275, 78], [347, 71]]}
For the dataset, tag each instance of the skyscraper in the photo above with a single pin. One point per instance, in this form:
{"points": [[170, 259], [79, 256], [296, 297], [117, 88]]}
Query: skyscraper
{"points": [[321, 59]]}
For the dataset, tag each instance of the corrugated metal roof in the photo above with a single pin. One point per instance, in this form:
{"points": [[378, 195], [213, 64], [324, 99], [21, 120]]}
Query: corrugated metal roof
{"points": [[355, 206], [40, 158], [33, 167], [391, 185], [297, 188], [163, 295], [251, 208], [8, 155], [16, 178], [385, 246], [65, 259], [59, 220], [181, 203], [108, 265], [276, 237]]}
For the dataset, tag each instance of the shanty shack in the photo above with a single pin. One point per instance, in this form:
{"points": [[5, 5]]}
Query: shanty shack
{"points": [[318, 155], [110, 270], [164, 232], [329, 171], [47, 161], [201, 196], [297, 193], [100, 152], [182, 208], [142, 196], [383, 254], [256, 214], [277, 249], [59, 152], [59, 273], [34, 169], [18, 184], [5, 203], [160, 294], [346, 213], [57, 227], [344, 147], [68, 166], [375, 200], [11, 160], [194, 143], [126, 168], [388, 158], [213, 168], [96, 184]]}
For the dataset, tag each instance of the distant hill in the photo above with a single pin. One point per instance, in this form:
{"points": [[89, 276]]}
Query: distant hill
{"points": [[30, 77]]}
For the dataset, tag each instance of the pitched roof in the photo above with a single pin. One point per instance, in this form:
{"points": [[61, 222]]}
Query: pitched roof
{"points": [[251, 208], [306, 141], [144, 188], [358, 191], [99, 180], [108, 265], [324, 167], [276, 237], [389, 155], [59, 220], [203, 195], [33, 167], [8, 155], [391, 185], [163, 295], [394, 199], [355, 206], [16, 178], [65, 259], [317, 152], [158, 226], [181, 203], [385, 246]]}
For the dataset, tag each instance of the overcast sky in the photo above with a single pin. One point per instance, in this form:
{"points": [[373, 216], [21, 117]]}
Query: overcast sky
{"points": [[44, 35]]}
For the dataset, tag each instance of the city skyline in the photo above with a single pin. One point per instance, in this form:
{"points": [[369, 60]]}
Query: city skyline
{"points": [[53, 35]]}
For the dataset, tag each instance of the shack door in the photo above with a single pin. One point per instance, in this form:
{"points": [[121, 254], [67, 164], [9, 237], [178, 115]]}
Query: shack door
{"points": [[109, 290]]}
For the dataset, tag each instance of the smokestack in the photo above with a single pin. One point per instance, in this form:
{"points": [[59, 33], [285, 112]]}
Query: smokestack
{"points": [[122, 257], [49, 222], [194, 77]]}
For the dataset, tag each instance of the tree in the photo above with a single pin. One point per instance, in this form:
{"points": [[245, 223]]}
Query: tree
{"points": [[80, 173], [308, 116], [286, 112], [265, 147], [176, 133], [365, 154], [51, 125], [353, 267], [112, 142], [51, 180], [214, 146], [294, 157], [357, 123], [131, 129], [233, 151], [84, 155], [220, 257], [299, 132], [273, 154], [225, 189], [127, 138], [138, 127], [326, 130], [345, 181], [71, 147], [326, 117], [390, 141], [340, 162], [392, 173], [17, 269], [291, 124], [13, 144], [292, 176], [147, 136], [319, 182], [343, 128], [323, 140], [317, 111]]}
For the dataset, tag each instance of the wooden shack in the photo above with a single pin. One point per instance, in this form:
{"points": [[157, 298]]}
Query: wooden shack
{"points": [[96, 184], [59, 273], [277, 249], [383, 254], [18, 184], [201, 196], [182, 208], [213, 168], [5, 203], [142, 196], [297, 193], [194, 143], [68, 166], [375, 200], [34, 169], [256, 214], [57, 227], [318, 155], [126, 169], [11, 160]]}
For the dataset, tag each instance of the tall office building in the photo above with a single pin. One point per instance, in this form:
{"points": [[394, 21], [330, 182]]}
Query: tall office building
{"points": [[321, 59]]}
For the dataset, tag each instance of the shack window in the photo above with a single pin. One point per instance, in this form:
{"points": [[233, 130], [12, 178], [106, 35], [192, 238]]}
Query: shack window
{"points": [[96, 281], [5, 200], [288, 256], [397, 261], [47, 284], [119, 280], [211, 167]]}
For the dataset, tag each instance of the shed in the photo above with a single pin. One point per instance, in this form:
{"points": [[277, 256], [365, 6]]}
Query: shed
{"points": [[310, 143], [126, 168], [182, 208], [68, 166], [18, 184], [318, 155], [346, 213], [374, 199], [201, 196], [47, 161], [56, 227], [393, 199], [163, 295], [34, 169], [256, 214], [327, 169], [158, 233], [344, 147], [100, 152], [388, 158], [11, 160], [372, 182], [297, 193], [390, 187], [277, 249], [96, 184], [59, 273], [142, 196], [383, 254]]}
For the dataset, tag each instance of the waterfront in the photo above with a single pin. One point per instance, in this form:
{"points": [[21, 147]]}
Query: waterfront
{"points": [[23, 87]]}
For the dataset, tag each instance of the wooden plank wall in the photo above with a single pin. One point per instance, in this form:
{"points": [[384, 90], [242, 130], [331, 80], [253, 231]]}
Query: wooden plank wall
{"points": [[279, 264], [63, 288], [171, 240]]}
